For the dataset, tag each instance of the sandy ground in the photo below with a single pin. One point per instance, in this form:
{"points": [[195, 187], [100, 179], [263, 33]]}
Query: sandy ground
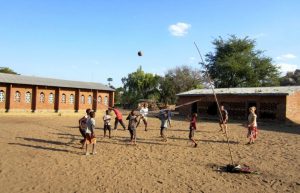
{"points": [[42, 154]]}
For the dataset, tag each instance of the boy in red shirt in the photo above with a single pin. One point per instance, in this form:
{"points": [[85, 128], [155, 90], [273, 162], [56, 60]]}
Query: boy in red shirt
{"points": [[118, 118]]}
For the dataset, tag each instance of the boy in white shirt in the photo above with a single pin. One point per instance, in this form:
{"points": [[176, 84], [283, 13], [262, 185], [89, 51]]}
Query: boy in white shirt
{"points": [[106, 119], [143, 113]]}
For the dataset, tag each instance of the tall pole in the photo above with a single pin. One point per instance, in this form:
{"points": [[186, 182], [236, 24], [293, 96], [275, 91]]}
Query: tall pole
{"points": [[216, 99]]}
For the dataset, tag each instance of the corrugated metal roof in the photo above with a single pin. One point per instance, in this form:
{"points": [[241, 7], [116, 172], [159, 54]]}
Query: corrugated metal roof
{"points": [[32, 80], [282, 90]]}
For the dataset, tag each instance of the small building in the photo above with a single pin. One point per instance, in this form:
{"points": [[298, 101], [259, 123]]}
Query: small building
{"points": [[36, 94], [278, 103]]}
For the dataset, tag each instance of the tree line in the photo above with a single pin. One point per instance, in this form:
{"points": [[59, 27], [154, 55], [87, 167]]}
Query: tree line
{"points": [[234, 63]]}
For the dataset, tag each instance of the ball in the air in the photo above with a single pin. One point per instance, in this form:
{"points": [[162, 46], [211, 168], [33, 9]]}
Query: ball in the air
{"points": [[140, 53]]}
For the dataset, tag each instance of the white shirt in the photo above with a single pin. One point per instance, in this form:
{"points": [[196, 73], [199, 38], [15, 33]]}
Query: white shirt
{"points": [[144, 111], [106, 119], [252, 119]]}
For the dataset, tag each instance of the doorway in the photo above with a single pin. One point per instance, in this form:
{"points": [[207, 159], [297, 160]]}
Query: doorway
{"points": [[194, 108]]}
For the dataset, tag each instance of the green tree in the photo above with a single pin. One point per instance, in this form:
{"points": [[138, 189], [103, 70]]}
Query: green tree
{"points": [[7, 70], [118, 95], [140, 85], [236, 63], [179, 79], [291, 79]]}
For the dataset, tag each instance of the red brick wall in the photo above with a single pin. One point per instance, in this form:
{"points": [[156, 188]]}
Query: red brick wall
{"points": [[102, 106], [86, 94], [67, 105], [2, 104], [22, 105], [293, 107], [38, 106], [45, 106]]}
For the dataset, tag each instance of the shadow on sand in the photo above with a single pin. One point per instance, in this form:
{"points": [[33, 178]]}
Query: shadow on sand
{"points": [[45, 148], [287, 126]]}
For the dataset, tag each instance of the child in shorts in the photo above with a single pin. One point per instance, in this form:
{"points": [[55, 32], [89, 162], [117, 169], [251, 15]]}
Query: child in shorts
{"points": [[107, 126]]}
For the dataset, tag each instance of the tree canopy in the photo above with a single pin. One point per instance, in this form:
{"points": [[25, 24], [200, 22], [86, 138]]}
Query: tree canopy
{"points": [[179, 79], [7, 70], [140, 85], [291, 79], [236, 63]]}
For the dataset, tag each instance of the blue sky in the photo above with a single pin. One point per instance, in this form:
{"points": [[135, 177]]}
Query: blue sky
{"points": [[94, 40]]}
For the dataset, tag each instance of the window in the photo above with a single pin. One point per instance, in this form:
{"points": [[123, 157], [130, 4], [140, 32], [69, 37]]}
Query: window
{"points": [[18, 96], [63, 98], [27, 97], [42, 97], [89, 99], [99, 100], [106, 100], [82, 99], [2, 96], [51, 98], [71, 99]]}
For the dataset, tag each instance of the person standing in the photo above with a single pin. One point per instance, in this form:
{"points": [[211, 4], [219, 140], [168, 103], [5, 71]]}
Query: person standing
{"points": [[83, 124], [223, 119], [119, 118], [90, 134], [106, 119], [163, 116], [193, 128], [143, 113], [252, 125], [132, 121]]}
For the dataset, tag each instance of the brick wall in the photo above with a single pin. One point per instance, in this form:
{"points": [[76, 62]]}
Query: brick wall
{"points": [[3, 103], [45, 105], [39, 98], [83, 104], [66, 104], [268, 107], [21, 105], [293, 107]]}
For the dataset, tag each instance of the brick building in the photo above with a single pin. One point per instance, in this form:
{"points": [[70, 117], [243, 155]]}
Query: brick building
{"points": [[35, 94], [280, 103]]}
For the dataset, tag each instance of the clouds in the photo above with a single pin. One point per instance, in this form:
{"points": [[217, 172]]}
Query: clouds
{"points": [[179, 29], [285, 67], [284, 62], [286, 57]]}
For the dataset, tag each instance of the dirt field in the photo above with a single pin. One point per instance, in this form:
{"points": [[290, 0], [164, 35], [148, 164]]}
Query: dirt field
{"points": [[42, 154]]}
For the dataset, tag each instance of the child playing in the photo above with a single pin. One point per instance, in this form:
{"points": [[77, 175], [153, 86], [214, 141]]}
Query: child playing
{"points": [[106, 119], [163, 116], [143, 113], [252, 125], [132, 118], [90, 135], [193, 129], [223, 119], [118, 119], [83, 124]]}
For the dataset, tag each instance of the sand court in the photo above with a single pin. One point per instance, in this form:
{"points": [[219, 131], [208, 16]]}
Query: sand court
{"points": [[42, 154]]}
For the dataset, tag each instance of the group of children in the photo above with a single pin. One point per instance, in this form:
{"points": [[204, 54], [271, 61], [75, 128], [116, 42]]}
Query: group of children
{"points": [[252, 123], [87, 124]]}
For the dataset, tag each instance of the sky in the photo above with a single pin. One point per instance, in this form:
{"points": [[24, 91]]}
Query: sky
{"points": [[91, 41]]}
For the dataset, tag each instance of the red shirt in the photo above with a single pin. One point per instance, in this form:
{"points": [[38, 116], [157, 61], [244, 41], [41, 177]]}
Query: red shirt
{"points": [[193, 122], [118, 114]]}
